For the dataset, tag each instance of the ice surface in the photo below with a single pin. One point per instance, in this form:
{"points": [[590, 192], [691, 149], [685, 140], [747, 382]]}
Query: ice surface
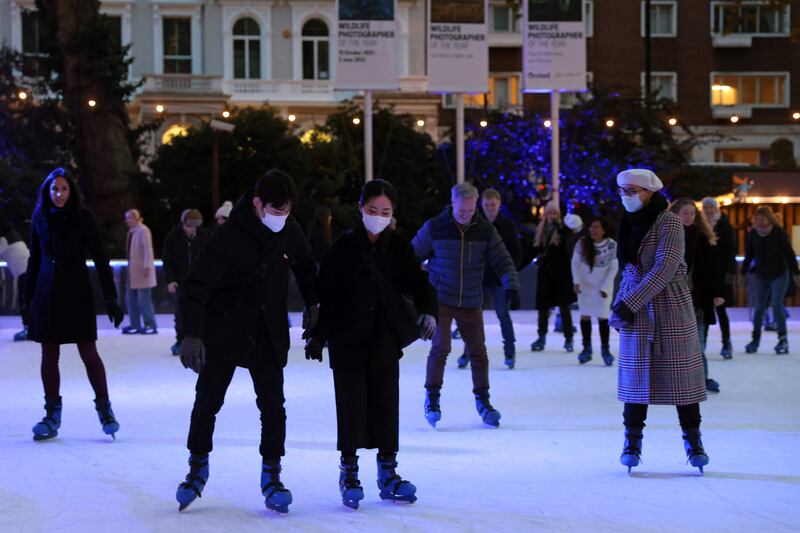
{"points": [[551, 466]]}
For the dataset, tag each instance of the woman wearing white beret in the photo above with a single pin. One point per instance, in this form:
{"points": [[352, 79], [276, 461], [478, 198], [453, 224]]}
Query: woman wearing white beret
{"points": [[660, 360]]}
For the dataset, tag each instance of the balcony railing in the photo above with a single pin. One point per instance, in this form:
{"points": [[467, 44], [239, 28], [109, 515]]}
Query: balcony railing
{"points": [[182, 83]]}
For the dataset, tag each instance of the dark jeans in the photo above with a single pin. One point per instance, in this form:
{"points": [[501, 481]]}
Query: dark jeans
{"points": [[724, 323], [470, 324], [367, 407], [702, 329], [566, 320], [504, 316], [212, 383], [635, 414], [770, 291], [178, 315]]}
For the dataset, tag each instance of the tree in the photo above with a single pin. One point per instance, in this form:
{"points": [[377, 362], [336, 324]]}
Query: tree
{"points": [[85, 64], [34, 138]]}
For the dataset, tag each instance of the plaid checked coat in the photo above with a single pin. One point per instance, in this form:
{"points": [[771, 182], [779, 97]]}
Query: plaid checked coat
{"points": [[659, 356]]}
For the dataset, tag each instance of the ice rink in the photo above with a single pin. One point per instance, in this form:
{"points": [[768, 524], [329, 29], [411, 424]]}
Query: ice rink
{"points": [[551, 466]]}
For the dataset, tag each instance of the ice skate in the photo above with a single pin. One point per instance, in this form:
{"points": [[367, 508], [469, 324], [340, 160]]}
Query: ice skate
{"points": [[695, 454], [586, 354], [727, 350], [106, 416], [783, 345], [489, 414], [432, 411], [632, 449], [192, 488], [392, 486], [349, 485], [47, 428], [276, 497], [463, 361], [538, 344], [608, 358]]}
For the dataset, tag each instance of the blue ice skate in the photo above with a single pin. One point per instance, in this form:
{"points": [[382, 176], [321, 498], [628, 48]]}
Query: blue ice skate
{"points": [[349, 485], [47, 428], [192, 488], [632, 449], [392, 486], [489, 414], [432, 411], [276, 497], [695, 454], [106, 416]]}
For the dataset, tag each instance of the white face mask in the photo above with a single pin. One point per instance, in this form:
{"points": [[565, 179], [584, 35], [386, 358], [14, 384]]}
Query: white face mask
{"points": [[274, 222], [374, 223], [632, 203]]}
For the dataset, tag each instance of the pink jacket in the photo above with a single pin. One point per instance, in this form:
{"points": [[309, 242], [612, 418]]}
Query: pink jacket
{"points": [[141, 266]]}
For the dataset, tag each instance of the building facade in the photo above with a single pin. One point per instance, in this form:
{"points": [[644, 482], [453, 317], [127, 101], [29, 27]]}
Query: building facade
{"points": [[199, 57]]}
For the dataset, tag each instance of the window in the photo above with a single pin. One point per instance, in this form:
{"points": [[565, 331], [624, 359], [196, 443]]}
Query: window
{"points": [[177, 46], [749, 18], [663, 19], [246, 49], [316, 58], [750, 89], [748, 156], [589, 18], [663, 85], [114, 25], [502, 19], [504, 92], [33, 54]]}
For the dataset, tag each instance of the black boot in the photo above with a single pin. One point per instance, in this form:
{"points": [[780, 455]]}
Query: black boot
{"points": [[586, 333], [752, 346], [432, 411], [695, 454], [106, 416], [47, 428], [632, 449]]}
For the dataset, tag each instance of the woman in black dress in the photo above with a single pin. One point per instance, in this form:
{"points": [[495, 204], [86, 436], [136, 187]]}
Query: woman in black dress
{"points": [[364, 268], [60, 296]]}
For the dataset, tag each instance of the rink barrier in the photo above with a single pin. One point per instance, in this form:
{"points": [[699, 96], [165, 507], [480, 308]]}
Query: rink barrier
{"points": [[164, 301]]}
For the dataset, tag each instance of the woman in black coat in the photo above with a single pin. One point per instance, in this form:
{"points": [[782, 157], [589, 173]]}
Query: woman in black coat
{"points": [[554, 287], [60, 296], [705, 272], [365, 268]]}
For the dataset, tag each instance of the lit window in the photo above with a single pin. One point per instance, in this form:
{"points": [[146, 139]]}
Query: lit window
{"points": [[176, 130], [663, 19], [33, 54], [749, 156], [504, 92], [246, 49], [177, 45], [748, 18], [316, 60], [755, 90]]}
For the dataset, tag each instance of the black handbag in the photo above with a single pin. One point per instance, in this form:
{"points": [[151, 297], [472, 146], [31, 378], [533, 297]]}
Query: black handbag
{"points": [[400, 309]]}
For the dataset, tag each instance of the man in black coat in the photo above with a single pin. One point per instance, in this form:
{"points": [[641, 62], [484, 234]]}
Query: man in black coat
{"points": [[234, 314], [182, 247], [725, 252], [490, 205]]}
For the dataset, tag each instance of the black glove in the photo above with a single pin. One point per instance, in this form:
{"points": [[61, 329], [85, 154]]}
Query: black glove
{"points": [[193, 353], [310, 319], [512, 297], [115, 313], [314, 349], [623, 312]]}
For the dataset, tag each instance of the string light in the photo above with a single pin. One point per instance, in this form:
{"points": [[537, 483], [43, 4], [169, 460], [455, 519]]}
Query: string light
{"points": [[483, 123], [796, 115], [92, 103], [734, 119], [292, 118], [22, 95], [226, 114], [159, 108], [420, 123], [356, 121], [673, 121], [609, 123], [547, 123]]}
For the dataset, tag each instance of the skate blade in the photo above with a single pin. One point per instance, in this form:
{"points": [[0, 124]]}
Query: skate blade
{"points": [[400, 499], [352, 504], [39, 438], [280, 509]]}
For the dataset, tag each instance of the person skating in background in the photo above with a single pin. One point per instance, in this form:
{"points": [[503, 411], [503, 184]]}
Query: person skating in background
{"points": [[769, 246], [554, 287], [490, 205], [705, 276], [594, 267], [362, 277], [459, 244], [660, 362], [574, 222], [233, 304], [320, 232], [182, 246], [224, 211], [60, 298], [15, 253], [141, 276], [726, 257]]}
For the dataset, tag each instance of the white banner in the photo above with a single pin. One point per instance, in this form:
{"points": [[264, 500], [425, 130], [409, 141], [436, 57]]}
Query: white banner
{"points": [[367, 50], [458, 50], [554, 45]]}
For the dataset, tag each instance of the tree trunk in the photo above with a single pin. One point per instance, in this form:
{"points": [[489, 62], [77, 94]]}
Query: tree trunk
{"points": [[106, 167]]}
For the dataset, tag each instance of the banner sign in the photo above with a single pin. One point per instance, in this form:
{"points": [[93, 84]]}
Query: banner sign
{"points": [[367, 50], [554, 45], [458, 50]]}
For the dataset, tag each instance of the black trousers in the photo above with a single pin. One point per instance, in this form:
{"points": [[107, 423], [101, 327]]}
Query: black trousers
{"points": [[566, 320], [178, 315], [723, 321], [212, 383], [368, 407], [635, 414]]}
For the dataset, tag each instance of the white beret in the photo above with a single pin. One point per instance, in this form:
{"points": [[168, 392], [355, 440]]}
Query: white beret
{"points": [[641, 177], [573, 221], [224, 210]]}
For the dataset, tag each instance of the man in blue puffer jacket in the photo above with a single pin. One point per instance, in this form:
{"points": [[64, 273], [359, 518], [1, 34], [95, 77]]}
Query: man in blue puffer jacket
{"points": [[458, 245]]}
